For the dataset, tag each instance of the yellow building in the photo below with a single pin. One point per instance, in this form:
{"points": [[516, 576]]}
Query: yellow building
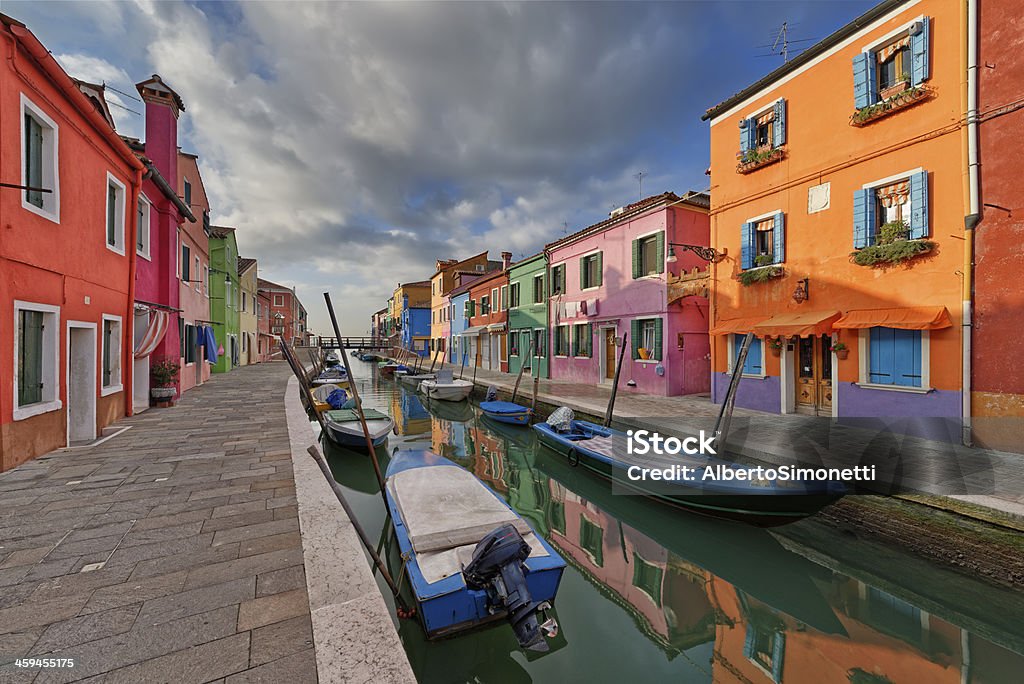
{"points": [[248, 325]]}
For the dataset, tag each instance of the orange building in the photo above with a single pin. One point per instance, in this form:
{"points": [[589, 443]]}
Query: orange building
{"points": [[441, 284], [839, 198]]}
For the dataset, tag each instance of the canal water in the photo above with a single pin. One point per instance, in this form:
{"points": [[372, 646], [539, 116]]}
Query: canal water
{"points": [[653, 594]]}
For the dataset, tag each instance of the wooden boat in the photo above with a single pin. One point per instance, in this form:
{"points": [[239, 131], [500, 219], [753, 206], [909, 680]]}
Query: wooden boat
{"points": [[331, 376], [367, 357], [320, 394], [389, 369], [506, 412], [470, 559], [757, 502], [331, 359], [415, 380], [344, 429], [446, 388]]}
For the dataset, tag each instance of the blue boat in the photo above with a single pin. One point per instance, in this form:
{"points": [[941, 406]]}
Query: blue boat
{"points": [[470, 559], [758, 502], [506, 412]]}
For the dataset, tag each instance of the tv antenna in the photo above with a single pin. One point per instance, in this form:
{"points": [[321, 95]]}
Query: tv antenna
{"points": [[782, 42], [639, 175]]}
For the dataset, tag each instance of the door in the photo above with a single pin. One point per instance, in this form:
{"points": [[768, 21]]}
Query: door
{"points": [[199, 351], [140, 367], [609, 353], [814, 376], [495, 352], [81, 381]]}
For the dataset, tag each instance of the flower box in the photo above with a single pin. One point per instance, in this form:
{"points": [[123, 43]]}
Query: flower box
{"points": [[891, 253], [907, 97], [757, 158], [760, 274]]}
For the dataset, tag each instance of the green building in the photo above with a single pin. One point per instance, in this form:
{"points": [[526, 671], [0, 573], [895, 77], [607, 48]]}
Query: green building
{"points": [[528, 315], [224, 289]]}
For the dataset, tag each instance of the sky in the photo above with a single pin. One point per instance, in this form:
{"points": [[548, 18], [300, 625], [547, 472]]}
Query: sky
{"points": [[353, 144]]}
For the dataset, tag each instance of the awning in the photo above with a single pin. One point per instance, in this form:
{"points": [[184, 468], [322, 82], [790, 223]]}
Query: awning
{"points": [[154, 333], [910, 318], [500, 327], [802, 324], [736, 325], [475, 330]]}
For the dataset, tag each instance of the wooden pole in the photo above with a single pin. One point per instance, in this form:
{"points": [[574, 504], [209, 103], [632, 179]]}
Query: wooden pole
{"points": [[522, 367], [725, 412], [433, 360], [476, 362], [533, 404], [462, 369], [303, 384], [339, 493], [615, 382], [355, 397]]}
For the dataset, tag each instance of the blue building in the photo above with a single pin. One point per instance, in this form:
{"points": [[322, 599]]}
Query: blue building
{"points": [[460, 303], [415, 324]]}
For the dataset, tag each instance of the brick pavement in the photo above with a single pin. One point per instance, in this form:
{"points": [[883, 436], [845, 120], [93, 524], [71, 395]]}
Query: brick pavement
{"points": [[192, 515]]}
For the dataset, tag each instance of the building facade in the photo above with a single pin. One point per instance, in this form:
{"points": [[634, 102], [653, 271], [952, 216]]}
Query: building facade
{"points": [[441, 283], [411, 313], [248, 323], [617, 278], [67, 257], [841, 218], [266, 344], [286, 313], [225, 297], [459, 345], [528, 315], [194, 281], [488, 320]]}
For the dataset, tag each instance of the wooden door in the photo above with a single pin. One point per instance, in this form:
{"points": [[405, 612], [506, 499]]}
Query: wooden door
{"points": [[609, 353], [814, 375]]}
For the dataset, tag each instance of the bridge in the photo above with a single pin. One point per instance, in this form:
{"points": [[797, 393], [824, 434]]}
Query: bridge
{"points": [[355, 343]]}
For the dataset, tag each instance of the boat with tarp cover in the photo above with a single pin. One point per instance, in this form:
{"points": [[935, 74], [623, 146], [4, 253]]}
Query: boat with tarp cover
{"points": [[344, 429]]}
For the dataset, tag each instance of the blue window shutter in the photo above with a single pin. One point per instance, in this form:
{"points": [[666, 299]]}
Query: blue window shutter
{"points": [[907, 358], [919, 67], [919, 205], [778, 655], [747, 246], [745, 128], [779, 238], [863, 80], [863, 218], [754, 357], [881, 356], [748, 641], [779, 130]]}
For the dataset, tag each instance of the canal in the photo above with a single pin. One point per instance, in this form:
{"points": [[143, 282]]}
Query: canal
{"points": [[653, 594]]}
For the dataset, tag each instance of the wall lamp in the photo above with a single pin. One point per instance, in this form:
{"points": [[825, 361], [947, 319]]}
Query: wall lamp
{"points": [[802, 291], [705, 253]]}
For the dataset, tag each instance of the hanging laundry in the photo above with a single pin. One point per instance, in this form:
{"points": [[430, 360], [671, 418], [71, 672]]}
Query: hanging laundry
{"points": [[211, 345]]}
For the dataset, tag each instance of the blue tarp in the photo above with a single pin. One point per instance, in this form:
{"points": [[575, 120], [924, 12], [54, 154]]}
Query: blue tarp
{"points": [[337, 399], [501, 407], [211, 344]]}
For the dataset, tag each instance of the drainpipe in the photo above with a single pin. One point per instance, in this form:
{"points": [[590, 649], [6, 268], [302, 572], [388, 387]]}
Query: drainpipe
{"points": [[974, 215], [133, 257]]}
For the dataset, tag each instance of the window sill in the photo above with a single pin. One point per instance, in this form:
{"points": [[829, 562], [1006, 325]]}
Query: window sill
{"points": [[48, 215], [36, 409], [113, 389], [590, 289], [144, 255], [646, 361], [880, 110], [114, 248], [894, 388]]}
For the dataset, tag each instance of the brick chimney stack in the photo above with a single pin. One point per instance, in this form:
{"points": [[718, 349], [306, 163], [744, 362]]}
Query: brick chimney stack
{"points": [[506, 260], [163, 106]]}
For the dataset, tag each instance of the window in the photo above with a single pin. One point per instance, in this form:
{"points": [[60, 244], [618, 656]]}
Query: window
{"points": [[894, 357], [538, 289], [582, 339], [206, 280], [647, 337], [561, 340], [36, 346], [649, 255], [278, 300], [186, 263], [539, 337], [899, 63], [480, 268], [556, 516], [754, 364], [504, 297], [513, 295], [243, 309], [115, 214], [647, 578], [590, 270], [592, 541], [557, 279], [188, 193], [39, 162], [245, 345], [485, 306], [763, 241], [190, 343], [891, 210], [763, 132], [765, 646], [199, 270], [142, 230], [495, 302], [111, 381]]}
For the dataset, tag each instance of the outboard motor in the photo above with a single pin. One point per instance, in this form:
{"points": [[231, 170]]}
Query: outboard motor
{"points": [[492, 393], [497, 567]]}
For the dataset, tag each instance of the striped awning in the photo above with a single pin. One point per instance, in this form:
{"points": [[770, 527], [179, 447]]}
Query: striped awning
{"points": [[154, 333], [896, 193], [475, 330], [892, 48], [765, 225]]}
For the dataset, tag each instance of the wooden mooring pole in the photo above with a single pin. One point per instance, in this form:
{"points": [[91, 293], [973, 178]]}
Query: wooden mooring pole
{"points": [[615, 382], [522, 367], [300, 374]]}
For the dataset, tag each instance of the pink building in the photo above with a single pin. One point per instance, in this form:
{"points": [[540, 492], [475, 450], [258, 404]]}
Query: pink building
{"points": [[623, 276], [194, 272], [161, 212]]}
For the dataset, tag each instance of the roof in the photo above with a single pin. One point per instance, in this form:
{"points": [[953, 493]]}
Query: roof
{"points": [[97, 93], [698, 199], [244, 264], [449, 264], [221, 232], [463, 287], [484, 278], [264, 284], [418, 283], [806, 56]]}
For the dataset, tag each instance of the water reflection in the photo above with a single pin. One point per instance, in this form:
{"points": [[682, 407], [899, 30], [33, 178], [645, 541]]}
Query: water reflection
{"points": [[652, 594]]}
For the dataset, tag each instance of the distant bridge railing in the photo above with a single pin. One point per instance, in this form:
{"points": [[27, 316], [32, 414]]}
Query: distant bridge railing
{"points": [[355, 343]]}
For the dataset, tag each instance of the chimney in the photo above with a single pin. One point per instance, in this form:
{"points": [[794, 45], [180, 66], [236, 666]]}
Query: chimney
{"points": [[163, 106], [506, 260]]}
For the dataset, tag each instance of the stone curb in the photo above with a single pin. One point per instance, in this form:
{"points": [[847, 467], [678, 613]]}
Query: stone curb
{"points": [[353, 632]]}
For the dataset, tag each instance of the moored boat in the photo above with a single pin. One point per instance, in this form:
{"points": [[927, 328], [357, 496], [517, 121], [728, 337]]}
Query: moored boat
{"points": [[415, 380], [344, 429], [331, 359], [321, 395], [331, 376], [446, 388], [506, 412], [470, 559], [367, 357], [758, 502]]}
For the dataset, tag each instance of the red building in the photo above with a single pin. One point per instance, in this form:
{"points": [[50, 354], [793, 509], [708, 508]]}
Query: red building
{"points": [[69, 203], [266, 344], [488, 318], [287, 315], [997, 380]]}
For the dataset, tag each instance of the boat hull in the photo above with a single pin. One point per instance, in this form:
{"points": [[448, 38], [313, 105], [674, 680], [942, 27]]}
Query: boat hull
{"points": [[762, 510], [455, 391], [506, 412], [350, 434]]}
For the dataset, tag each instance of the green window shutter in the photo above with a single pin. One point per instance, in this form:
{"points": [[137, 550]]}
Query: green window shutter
{"points": [[636, 260], [590, 339], [30, 358], [111, 214], [33, 160], [106, 353], [661, 252], [657, 339], [583, 272], [634, 334], [600, 269]]}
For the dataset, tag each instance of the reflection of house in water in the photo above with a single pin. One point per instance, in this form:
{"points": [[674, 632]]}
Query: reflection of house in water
{"points": [[410, 416], [664, 594], [448, 439], [487, 452], [890, 640]]}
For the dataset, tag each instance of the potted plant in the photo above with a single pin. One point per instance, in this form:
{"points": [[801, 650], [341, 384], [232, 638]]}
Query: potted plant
{"points": [[643, 354], [164, 373], [775, 346], [840, 350], [896, 88]]}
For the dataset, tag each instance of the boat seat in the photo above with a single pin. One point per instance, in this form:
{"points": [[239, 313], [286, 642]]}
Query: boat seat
{"points": [[347, 415]]}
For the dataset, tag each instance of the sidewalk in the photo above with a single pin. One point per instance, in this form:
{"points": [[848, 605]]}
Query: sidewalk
{"points": [[171, 552], [964, 478]]}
